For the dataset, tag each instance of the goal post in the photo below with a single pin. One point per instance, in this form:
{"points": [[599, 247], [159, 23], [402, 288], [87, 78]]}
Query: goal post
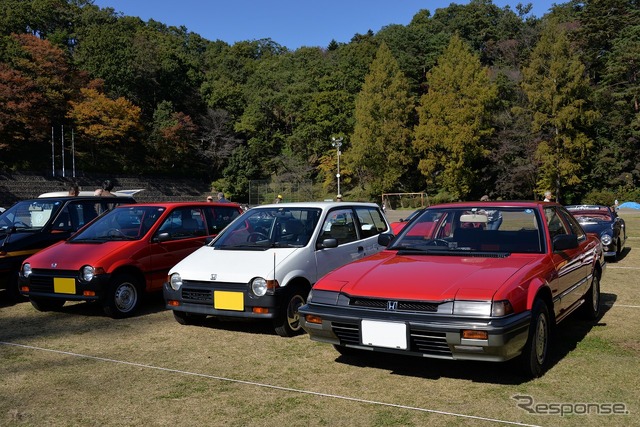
{"points": [[396, 201]]}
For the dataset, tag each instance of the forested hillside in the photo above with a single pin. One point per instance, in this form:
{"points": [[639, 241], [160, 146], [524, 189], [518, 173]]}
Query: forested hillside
{"points": [[469, 100]]}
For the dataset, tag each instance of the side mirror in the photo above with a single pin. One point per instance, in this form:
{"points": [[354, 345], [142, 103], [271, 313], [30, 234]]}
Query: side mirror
{"points": [[385, 238], [162, 237], [328, 243], [564, 242]]}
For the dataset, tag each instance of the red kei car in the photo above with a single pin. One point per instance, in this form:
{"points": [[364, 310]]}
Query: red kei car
{"points": [[453, 286], [121, 255]]}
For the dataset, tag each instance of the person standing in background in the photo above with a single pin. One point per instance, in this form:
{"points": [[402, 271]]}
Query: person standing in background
{"points": [[74, 190], [548, 196], [107, 186]]}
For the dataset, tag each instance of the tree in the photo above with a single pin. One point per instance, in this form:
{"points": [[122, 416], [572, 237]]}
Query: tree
{"points": [[558, 91], [451, 136], [105, 127], [37, 82], [380, 148]]}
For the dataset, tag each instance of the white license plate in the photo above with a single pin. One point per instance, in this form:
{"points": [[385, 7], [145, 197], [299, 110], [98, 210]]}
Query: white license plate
{"points": [[384, 334]]}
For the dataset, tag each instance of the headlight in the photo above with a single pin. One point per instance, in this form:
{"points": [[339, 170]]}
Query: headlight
{"points": [[175, 281], [87, 273], [472, 308], [501, 308], [606, 239], [26, 270], [310, 296], [259, 286]]}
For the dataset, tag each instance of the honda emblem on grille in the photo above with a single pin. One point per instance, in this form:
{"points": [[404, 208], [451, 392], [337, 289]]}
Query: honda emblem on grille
{"points": [[392, 305], [54, 264], [214, 276]]}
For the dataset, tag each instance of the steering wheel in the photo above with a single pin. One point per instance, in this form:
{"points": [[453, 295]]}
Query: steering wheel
{"points": [[115, 232], [256, 235], [439, 242]]}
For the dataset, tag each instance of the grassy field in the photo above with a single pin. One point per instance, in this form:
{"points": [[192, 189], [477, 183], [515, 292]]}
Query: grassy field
{"points": [[77, 367]]}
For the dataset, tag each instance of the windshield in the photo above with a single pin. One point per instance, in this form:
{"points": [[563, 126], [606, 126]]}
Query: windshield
{"points": [[125, 223], [29, 215], [262, 228], [471, 229]]}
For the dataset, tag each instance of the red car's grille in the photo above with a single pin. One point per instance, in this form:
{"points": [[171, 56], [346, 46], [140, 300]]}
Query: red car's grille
{"points": [[42, 280], [426, 342], [382, 304]]}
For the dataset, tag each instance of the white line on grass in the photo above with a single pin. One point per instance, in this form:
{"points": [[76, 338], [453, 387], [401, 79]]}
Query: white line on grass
{"points": [[274, 387]]}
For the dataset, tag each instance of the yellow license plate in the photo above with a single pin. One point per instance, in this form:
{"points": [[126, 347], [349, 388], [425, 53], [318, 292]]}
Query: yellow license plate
{"points": [[64, 285], [224, 300]]}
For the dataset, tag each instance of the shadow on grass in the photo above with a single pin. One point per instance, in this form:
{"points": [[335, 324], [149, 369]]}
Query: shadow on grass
{"points": [[622, 255], [235, 324], [565, 339]]}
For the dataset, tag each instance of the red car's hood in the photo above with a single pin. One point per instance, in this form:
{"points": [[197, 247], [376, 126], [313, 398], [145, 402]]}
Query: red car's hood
{"points": [[424, 277], [72, 256]]}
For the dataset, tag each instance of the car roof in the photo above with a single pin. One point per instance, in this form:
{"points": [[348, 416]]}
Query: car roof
{"points": [[497, 203], [121, 193], [321, 205], [182, 204], [96, 198]]}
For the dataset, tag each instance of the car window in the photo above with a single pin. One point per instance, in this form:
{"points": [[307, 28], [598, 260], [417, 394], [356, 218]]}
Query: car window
{"points": [[470, 229], [31, 215], [573, 224], [554, 221], [184, 222], [371, 222], [261, 228], [218, 217], [340, 225]]}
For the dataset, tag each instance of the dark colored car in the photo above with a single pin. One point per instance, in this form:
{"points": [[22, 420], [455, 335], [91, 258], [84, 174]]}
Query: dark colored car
{"points": [[451, 287], [32, 225], [122, 255], [605, 222]]}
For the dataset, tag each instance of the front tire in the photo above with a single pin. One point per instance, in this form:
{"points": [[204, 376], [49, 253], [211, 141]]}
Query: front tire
{"points": [[123, 296], [47, 304], [287, 323], [535, 355], [591, 306]]}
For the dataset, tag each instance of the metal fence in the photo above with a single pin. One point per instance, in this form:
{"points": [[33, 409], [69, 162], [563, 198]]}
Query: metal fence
{"points": [[262, 191]]}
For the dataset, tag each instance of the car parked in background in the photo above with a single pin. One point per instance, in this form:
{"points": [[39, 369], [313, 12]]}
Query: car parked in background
{"points": [[397, 226], [264, 264], [31, 225], [121, 255], [605, 222], [450, 287]]}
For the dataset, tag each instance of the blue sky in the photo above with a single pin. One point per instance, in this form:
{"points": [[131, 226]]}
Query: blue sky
{"points": [[291, 23]]}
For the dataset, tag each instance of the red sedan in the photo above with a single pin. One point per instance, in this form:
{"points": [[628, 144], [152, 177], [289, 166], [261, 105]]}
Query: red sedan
{"points": [[452, 285], [121, 255]]}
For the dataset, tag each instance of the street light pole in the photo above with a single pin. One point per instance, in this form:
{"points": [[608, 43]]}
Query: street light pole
{"points": [[337, 142]]}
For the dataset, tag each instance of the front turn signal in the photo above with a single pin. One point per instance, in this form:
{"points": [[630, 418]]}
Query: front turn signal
{"points": [[310, 318]]}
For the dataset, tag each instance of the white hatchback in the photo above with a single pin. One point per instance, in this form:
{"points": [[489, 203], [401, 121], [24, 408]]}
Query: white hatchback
{"points": [[264, 263]]}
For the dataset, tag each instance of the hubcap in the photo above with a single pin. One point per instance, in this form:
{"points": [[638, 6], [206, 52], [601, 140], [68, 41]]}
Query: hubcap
{"points": [[293, 317], [541, 339], [125, 297]]}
